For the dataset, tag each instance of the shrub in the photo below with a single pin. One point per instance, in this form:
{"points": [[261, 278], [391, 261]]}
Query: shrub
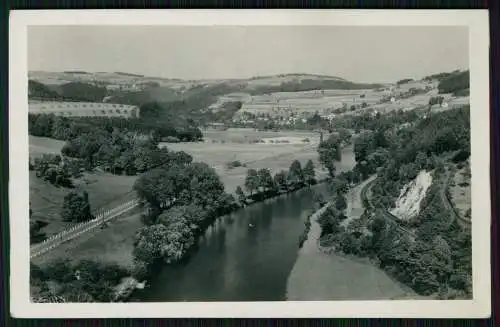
{"points": [[234, 164], [171, 139], [76, 206]]}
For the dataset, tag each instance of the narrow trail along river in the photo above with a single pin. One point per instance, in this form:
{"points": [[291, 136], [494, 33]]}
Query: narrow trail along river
{"points": [[237, 262], [317, 276]]}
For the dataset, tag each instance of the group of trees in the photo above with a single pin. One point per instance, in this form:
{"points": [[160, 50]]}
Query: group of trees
{"points": [[260, 183], [181, 199], [51, 168], [329, 152], [64, 128], [398, 154], [72, 91], [35, 227], [438, 260], [404, 81], [84, 281], [311, 85], [436, 100], [76, 206], [330, 220], [115, 150], [455, 83]]}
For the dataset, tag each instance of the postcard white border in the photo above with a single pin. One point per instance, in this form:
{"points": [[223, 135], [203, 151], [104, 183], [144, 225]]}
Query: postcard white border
{"points": [[476, 20]]}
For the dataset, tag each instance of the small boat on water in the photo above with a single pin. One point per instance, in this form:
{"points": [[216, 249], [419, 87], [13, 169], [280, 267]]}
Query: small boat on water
{"points": [[251, 225]]}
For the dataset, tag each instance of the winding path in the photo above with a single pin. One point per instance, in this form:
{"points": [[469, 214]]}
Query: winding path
{"points": [[463, 222], [385, 213]]}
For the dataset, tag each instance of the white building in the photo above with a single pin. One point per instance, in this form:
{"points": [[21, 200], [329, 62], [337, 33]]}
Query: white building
{"points": [[84, 109]]}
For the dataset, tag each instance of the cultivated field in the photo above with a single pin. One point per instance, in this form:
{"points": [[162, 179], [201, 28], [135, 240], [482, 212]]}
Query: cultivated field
{"points": [[237, 144], [308, 101]]}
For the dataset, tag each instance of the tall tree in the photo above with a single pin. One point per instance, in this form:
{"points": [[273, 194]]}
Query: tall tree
{"points": [[265, 179], [280, 179], [309, 173], [252, 181], [242, 198], [76, 206], [295, 173], [329, 151]]}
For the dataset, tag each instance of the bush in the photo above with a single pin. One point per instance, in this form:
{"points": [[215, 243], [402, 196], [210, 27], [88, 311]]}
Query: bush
{"points": [[234, 164], [76, 206], [171, 139]]}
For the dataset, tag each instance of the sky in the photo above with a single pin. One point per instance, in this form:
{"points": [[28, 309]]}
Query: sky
{"points": [[360, 54]]}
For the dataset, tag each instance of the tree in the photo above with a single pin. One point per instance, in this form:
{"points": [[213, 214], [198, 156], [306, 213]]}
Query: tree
{"points": [[319, 199], [340, 203], [309, 173], [280, 179], [149, 243], [265, 179], [193, 215], [242, 198], [295, 173], [252, 181], [205, 189], [339, 186], [76, 206], [329, 152]]}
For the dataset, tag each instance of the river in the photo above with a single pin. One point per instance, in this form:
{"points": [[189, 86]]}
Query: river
{"points": [[237, 262]]}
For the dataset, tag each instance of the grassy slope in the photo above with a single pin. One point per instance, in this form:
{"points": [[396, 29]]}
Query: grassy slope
{"points": [[112, 245], [105, 190], [317, 276]]}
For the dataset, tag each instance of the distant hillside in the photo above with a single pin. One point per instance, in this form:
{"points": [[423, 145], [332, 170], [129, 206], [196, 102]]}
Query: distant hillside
{"points": [[128, 74], [189, 99]]}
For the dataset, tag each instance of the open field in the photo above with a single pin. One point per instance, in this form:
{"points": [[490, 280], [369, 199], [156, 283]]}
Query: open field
{"points": [[105, 191], [41, 145], [308, 101], [274, 156], [317, 276]]}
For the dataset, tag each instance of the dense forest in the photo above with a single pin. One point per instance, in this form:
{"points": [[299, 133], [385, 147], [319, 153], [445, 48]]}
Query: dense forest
{"points": [[436, 259], [456, 83], [73, 91]]}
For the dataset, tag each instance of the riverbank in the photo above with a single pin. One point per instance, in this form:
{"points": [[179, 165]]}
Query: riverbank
{"points": [[318, 276]]}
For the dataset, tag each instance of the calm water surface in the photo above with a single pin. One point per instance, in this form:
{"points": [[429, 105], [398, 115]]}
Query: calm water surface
{"points": [[236, 262]]}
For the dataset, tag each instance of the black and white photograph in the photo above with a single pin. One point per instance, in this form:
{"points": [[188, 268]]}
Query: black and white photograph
{"points": [[275, 164]]}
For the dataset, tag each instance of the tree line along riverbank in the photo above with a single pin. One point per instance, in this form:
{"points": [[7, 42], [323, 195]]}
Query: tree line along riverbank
{"points": [[180, 199]]}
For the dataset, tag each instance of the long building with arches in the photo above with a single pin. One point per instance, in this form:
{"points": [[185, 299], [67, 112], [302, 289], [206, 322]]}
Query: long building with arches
{"points": [[84, 109]]}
